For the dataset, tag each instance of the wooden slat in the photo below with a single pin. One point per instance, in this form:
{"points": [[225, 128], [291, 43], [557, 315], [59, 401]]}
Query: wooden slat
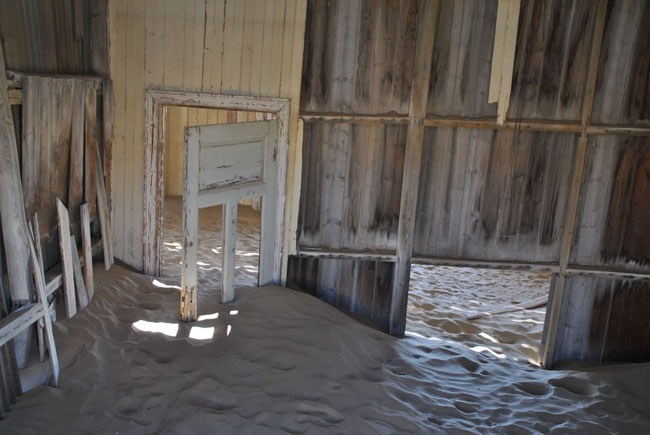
{"points": [[86, 243], [66, 259], [104, 213], [80, 286], [108, 115], [76, 171], [417, 110]]}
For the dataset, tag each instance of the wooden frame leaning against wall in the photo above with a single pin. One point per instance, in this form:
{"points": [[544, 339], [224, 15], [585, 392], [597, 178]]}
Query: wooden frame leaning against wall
{"points": [[156, 103]]}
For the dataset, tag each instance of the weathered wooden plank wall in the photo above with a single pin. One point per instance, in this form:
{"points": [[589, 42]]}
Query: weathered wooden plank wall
{"points": [[462, 57], [358, 56], [360, 287], [352, 177], [56, 125], [493, 194], [604, 320], [613, 222], [623, 87], [56, 37], [250, 47], [551, 61]]}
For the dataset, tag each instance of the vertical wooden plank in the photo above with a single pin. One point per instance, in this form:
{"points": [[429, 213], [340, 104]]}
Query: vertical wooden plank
{"points": [[213, 46], [90, 134], [108, 113], [228, 246], [87, 251], [42, 298], [190, 225], [82, 295], [76, 173], [118, 25], [232, 56], [269, 224], [104, 216], [66, 259], [428, 12]]}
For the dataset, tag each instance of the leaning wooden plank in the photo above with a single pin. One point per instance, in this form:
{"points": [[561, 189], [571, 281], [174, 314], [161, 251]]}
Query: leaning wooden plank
{"points": [[104, 215], [8, 351], [529, 305], [12, 212], [39, 327], [39, 279], [82, 296], [66, 259], [87, 251]]}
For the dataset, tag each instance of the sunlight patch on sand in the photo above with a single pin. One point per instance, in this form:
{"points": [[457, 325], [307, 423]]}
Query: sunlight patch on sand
{"points": [[169, 329], [200, 333]]}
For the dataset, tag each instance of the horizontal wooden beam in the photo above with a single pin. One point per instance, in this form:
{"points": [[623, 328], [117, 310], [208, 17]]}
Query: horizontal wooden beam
{"points": [[484, 123], [355, 119], [15, 78], [607, 273], [348, 255], [505, 265], [491, 123]]}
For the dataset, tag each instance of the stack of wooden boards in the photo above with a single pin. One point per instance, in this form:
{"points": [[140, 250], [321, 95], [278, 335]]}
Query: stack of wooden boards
{"points": [[60, 158]]}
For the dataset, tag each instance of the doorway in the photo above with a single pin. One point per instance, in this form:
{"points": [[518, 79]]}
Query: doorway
{"points": [[442, 300], [157, 104]]}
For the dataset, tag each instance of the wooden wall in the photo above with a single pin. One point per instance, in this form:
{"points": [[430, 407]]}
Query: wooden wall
{"points": [[604, 320], [352, 179], [493, 194], [55, 36], [613, 223], [250, 47], [551, 188], [360, 287], [358, 56]]}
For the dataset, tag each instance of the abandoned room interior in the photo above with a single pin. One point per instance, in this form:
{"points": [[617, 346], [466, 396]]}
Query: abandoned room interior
{"points": [[324, 216]]}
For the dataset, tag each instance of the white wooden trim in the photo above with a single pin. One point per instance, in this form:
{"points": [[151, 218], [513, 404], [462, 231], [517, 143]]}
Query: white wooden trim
{"points": [[228, 248], [156, 102], [190, 225]]}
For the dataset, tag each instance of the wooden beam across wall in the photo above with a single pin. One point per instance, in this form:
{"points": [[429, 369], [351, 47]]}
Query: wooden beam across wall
{"points": [[427, 18], [549, 335], [482, 123]]}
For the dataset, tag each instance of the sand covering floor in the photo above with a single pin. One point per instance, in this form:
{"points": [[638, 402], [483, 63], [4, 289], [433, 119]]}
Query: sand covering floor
{"points": [[276, 360], [293, 363]]}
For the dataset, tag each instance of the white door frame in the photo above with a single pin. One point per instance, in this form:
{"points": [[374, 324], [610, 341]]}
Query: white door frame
{"points": [[156, 102]]}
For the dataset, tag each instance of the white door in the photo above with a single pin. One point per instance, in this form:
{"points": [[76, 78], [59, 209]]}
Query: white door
{"points": [[224, 164]]}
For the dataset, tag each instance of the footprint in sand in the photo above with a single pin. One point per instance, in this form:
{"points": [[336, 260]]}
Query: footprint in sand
{"points": [[534, 388], [324, 412]]}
